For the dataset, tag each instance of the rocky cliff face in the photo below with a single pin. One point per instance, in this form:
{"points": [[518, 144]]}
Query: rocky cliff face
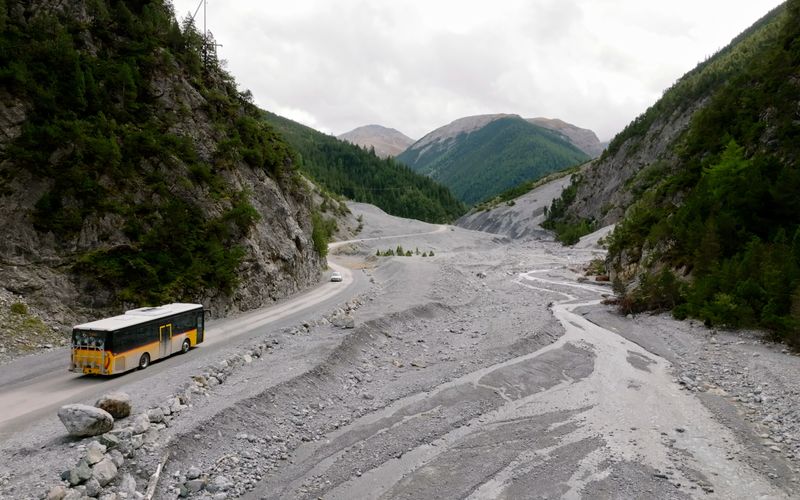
{"points": [[387, 142], [174, 191], [605, 188]]}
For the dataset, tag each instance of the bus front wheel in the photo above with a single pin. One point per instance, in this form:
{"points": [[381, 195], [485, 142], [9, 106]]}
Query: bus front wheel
{"points": [[144, 361], [185, 346]]}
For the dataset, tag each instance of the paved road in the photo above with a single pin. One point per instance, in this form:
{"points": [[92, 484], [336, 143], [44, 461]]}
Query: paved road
{"points": [[33, 387]]}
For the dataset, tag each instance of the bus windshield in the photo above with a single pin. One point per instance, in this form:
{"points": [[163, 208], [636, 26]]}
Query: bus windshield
{"points": [[88, 339]]}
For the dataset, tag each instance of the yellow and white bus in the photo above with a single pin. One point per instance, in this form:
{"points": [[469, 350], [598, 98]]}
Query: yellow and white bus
{"points": [[135, 339]]}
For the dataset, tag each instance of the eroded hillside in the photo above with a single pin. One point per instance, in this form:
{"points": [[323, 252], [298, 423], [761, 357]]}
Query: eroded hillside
{"points": [[132, 171]]}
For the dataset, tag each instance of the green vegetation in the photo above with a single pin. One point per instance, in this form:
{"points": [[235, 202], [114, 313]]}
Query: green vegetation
{"points": [[729, 252], [505, 153], [568, 229], [350, 171], [703, 80], [97, 133], [596, 267], [19, 308], [322, 230], [400, 252]]}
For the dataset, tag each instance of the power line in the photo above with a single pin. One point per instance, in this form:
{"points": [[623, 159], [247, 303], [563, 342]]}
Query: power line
{"points": [[208, 46]]}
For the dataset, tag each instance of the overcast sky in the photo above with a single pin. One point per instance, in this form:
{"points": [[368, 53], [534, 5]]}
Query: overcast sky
{"points": [[415, 65]]}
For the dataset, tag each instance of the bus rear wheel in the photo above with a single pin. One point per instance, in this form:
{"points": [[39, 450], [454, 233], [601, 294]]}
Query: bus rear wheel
{"points": [[185, 346], [144, 361]]}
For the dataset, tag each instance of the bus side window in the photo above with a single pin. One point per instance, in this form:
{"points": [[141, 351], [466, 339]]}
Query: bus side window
{"points": [[184, 322]]}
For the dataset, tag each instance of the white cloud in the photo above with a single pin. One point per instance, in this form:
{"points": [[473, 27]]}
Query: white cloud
{"points": [[416, 65]]}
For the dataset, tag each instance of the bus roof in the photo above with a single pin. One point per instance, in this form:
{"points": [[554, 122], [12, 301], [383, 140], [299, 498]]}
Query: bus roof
{"points": [[137, 316]]}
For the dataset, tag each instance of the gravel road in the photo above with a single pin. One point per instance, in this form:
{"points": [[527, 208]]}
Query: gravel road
{"points": [[489, 370]]}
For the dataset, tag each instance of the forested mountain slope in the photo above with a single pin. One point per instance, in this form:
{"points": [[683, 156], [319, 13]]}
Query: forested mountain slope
{"points": [[348, 170], [481, 156], [133, 172], [712, 222]]}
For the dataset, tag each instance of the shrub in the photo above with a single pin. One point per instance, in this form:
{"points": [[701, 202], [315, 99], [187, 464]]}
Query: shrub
{"points": [[321, 231], [19, 308]]}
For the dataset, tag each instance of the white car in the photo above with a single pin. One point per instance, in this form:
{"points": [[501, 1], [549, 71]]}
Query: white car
{"points": [[336, 276]]}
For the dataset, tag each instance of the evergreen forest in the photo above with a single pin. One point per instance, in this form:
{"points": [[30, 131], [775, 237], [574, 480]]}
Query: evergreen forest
{"points": [[720, 235], [358, 174]]}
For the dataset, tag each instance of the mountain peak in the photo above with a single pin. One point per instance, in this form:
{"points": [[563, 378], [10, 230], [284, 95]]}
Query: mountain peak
{"points": [[460, 126], [386, 141], [585, 139], [481, 156]]}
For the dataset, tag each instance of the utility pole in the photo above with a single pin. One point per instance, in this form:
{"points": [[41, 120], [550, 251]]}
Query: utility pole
{"points": [[207, 45]]}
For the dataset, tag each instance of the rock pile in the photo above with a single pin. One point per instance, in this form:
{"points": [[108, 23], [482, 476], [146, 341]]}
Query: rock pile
{"points": [[343, 317], [96, 472]]}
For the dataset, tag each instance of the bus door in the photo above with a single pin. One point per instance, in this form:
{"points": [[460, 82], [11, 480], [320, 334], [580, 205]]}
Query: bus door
{"points": [[165, 340]]}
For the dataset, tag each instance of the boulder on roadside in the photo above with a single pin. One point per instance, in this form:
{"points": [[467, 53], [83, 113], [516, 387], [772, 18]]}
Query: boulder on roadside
{"points": [[127, 484], [219, 483], [118, 404], [79, 473], [93, 488], [104, 472], [73, 494], [193, 473], [57, 492], [116, 457], [83, 420], [194, 485], [95, 452], [141, 423], [110, 441], [155, 415]]}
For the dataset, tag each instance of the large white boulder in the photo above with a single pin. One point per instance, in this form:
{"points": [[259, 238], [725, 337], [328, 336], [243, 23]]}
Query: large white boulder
{"points": [[84, 420]]}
